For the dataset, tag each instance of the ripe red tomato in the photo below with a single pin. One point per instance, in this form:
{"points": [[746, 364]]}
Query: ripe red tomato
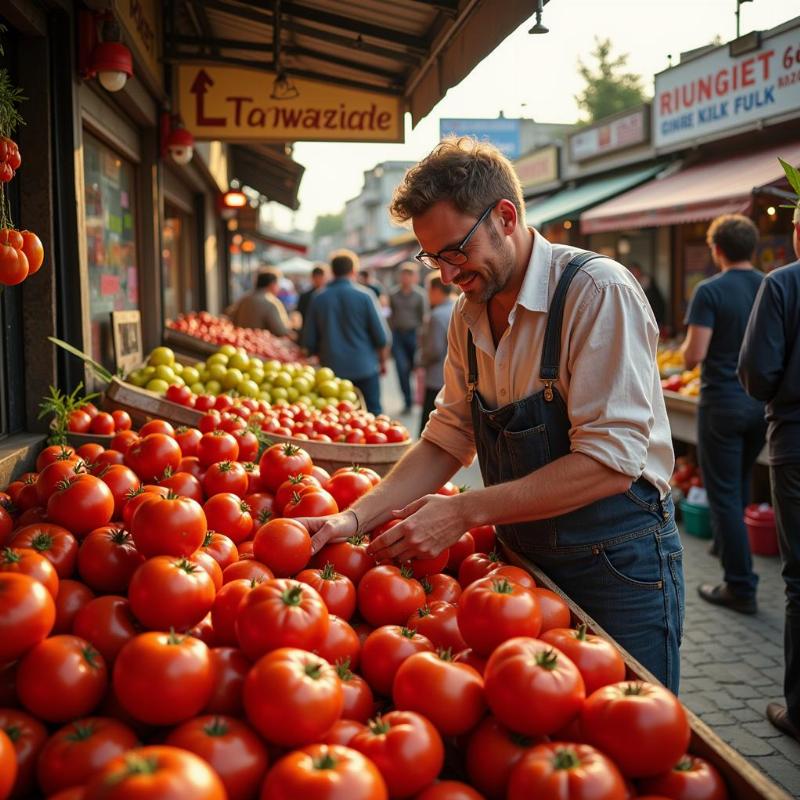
{"points": [[515, 574], [121, 481], [598, 661], [192, 466], [261, 506], [281, 613], [405, 747], [346, 487], [447, 693], [221, 548], [692, 778], [439, 623], [283, 545], [154, 772], [229, 667], [217, 446], [342, 732], [6, 526], [464, 547], [228, 514], [389, 595], [8, 758], [27, 736], [449, 790], [78, 421], [107, 623], [247, 568], [81, 504], [485, 538], [123, 441], [184, 484], [310, 502], [281, 688], [163, 678], [441, 587], [253, 477], [152, 455], [28, 562], [349, 558], [328, 771], [90, 452], [122, 420], [492, 610], [532, 688], [641, 726], [75, 752], [55, 543], [170, 593], [62, 678], [172, 525], [248, 444], [72, 597], [225, 476], [144, 494], [61, 469], [293, 484], [280, 461], [336, 590], [359, 704], [555, 611], [384, 650], [341, 643], [231, 748], [492, 752], [188, 439], [157, 426], [107, 559], [478, 566], [556, 771], [102, 424], [226, 608], [54, 452]]}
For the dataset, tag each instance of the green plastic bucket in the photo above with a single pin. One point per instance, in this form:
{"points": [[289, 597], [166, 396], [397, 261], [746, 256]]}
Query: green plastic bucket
{"points": [[696, 519]]}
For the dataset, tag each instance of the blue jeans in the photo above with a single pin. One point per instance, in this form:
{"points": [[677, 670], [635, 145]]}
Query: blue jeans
{"points": [[371, 389], [404, 346], [729, 441]]}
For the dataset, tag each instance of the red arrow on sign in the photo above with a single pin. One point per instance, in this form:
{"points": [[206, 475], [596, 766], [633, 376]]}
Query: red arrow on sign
{"points": [[199, 87]]}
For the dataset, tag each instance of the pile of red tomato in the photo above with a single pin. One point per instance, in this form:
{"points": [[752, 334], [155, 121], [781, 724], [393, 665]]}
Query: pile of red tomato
{"points": [[89, 419], [218, 330], [166, 632]]}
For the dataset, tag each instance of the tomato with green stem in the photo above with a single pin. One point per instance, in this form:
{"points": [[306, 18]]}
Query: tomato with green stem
{"points": [[280, 461], [28, 562], [62, 678], [294, 483], [441, 587], [27, 615], [184, 484], [75, 752], [216, 446], [169, 526], [359, 703], [341, 642], [350, 557], [152, 455], [107, 559], [384, 650], [8, 758], [230, 747], [439, 622], [389, 595], [28, 736], [281, 688], [81, 504], [229, 515], [107, 623], [225, 476], [284, 545], [478, 566], [336, 590], [221, 548], [54, 542], [692, 778]]}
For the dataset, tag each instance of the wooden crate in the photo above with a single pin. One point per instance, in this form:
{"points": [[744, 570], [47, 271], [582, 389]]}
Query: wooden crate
{"points": [[143, 405], [745, 782], [332, 455], [189, 345]]}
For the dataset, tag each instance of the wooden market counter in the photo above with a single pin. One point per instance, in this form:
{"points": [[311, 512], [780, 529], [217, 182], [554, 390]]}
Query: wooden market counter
{"points": [[682, 413], [744, 781]]}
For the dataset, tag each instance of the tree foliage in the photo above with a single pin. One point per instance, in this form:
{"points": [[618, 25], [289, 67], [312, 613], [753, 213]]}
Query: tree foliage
{"points": [[609, 87], [327, 224]]}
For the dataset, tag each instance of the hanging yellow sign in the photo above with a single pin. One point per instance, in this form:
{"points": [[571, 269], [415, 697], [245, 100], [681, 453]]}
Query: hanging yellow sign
{"points": [[239, 104]]}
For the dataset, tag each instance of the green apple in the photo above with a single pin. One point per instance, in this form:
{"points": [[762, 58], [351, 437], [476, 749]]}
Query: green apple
{"points": [[324, 374], [255, 375], [279, 393], [165, 373], [279, 403], [305, 400], [283, 380], [345, 385], [190, 375], [178, 380], [321, 402], [265, 396], [217, 358], [217, 372], [231, 378], [161, 355], [292, 394], [351, 397], [226, 349], [157, 385], [239, 361], [303, 385], [247, 388], [198, 388], [328, 389], [177, 368], [213, 387], [137, 377], [256, 363]]}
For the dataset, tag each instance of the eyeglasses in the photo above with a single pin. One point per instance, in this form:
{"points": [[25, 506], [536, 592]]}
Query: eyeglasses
{"points": [[454, 256]]}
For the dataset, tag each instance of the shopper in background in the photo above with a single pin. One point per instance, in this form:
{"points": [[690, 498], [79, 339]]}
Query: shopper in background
{"points": [[319, 277], [261, 308], [345, 329], [365, 279], [651, 292], [407, 303], [769, 369], [433, 342], [730, 425]]}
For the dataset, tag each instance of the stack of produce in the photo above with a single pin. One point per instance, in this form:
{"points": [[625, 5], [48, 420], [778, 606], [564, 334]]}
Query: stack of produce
{"points": [[231, 371], [163, 624], [218, 330]]}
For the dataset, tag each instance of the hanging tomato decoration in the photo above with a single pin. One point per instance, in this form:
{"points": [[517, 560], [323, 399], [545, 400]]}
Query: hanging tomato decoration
{"points": [[10, 159]]}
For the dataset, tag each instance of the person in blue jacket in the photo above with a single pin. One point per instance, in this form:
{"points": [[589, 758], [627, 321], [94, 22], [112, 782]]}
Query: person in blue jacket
{"points": [[769, 369]]}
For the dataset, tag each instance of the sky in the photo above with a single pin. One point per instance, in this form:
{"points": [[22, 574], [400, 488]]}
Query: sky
{"points": [[517, 78]]}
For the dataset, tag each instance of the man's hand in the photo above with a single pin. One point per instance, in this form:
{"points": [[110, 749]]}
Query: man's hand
{"points": [[332, 528], [429, 525]]}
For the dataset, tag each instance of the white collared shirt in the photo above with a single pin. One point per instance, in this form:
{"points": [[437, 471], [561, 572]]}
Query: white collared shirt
{"points": [[608, 375]]}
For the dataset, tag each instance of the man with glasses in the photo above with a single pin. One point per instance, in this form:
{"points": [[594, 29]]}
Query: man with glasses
{"points": [[550, 377]]}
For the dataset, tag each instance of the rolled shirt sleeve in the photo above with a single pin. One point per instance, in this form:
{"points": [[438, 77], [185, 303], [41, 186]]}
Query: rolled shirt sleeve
{"points": [[450, 424], [611, 365]]}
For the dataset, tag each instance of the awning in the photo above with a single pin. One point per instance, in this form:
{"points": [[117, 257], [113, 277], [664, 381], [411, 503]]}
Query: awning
{"points": [[697, 193], [413, 49], [267, 169], [568, 203], [390, 257]]}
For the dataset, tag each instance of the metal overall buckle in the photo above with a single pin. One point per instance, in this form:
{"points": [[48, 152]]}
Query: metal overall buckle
{"points": [[548, 391], [471, 387]]}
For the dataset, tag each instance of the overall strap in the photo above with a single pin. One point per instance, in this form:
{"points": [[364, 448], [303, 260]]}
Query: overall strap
{"points": [[551, 350], [472, 365]]}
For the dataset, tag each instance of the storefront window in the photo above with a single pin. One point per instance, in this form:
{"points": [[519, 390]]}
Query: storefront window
{"points": [[110, 241], [177, 262]]}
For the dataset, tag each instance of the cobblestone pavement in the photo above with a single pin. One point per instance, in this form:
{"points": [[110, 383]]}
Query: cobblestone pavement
{"points": [[731, 664]]}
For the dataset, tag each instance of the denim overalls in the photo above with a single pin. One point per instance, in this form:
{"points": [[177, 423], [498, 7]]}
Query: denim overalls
{"points": [[619, 558]]}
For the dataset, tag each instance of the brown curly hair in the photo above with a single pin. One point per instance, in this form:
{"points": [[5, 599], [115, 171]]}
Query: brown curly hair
{"points": [[468, 173]]}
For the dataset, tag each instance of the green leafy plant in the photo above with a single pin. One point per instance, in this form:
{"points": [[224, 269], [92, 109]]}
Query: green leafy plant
{"points": [[98, 369], [61, 405], [793, 176]]}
